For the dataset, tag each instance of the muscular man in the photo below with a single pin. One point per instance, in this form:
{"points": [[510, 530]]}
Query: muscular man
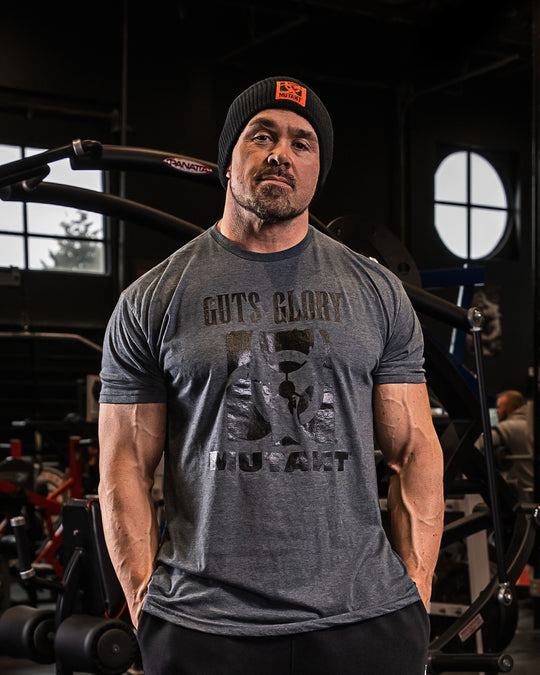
{"points": [[265, 359]]}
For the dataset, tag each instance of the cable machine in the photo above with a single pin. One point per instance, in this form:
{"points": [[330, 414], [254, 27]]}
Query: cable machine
{"points": [[509, 521]]}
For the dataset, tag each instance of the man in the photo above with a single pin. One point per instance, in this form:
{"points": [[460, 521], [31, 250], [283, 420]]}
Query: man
{"points": [[512, 442], [262, 358]]}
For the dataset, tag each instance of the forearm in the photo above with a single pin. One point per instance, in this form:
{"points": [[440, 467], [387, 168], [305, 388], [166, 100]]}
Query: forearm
{"points": [[131, 444], [131, 534], [416, 508], [412, 451]]}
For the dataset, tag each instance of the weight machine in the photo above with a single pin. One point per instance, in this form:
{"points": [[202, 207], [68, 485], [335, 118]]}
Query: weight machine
{"points": [[89, 630]]}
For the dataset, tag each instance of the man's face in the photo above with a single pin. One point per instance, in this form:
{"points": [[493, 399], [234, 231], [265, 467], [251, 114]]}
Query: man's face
{"points": [[275, 166]]}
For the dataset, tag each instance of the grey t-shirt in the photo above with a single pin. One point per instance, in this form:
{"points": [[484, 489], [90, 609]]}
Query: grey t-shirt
{"points": [[267, 364]]}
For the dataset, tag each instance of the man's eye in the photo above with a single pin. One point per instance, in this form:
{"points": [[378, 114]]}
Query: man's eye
{"points": [[261, 137]]}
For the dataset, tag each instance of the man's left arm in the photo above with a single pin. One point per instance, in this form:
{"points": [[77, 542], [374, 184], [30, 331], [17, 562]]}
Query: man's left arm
{"points": [[410, 446]]}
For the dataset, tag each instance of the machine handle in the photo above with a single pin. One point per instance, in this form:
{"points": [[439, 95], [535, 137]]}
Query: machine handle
{"points": [[26, 571], [460, 663]]}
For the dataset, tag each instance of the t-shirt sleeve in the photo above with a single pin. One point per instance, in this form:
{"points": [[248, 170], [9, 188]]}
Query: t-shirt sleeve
{"points": [[130, 372], [403, 356]]}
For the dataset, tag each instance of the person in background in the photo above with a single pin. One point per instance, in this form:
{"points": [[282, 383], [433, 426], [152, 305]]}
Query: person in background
{"points": [[512, 441], [264, 360]]}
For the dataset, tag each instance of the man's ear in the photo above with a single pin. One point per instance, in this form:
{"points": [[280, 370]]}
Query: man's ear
{"points": [[228, 172]]}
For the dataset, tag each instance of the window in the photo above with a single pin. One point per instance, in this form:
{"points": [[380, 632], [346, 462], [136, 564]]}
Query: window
{"points": [[471, 205], [48, 237]]}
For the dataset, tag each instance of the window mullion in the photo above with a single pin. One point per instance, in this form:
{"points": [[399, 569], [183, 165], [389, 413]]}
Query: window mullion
{"points": [[469, 210], [25, 236]]}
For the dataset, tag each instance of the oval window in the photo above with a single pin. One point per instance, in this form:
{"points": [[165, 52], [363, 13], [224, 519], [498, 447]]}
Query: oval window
{"points": [[471, 206]]}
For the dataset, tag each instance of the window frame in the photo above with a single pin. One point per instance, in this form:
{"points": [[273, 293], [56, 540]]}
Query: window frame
{"points": [[504, 166], [26, 234]]}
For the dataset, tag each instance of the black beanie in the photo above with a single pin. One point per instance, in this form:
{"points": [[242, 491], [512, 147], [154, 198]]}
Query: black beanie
{"points": [[277, 92]]}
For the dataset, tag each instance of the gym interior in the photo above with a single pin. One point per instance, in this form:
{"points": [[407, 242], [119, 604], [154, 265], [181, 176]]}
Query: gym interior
{"points": [[110, 114]]}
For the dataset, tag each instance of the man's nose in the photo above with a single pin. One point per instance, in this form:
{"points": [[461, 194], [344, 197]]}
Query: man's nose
{"points": [[279, 155]]}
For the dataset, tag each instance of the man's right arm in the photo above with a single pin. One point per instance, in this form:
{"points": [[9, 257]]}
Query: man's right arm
{"points": [[131, 442]]}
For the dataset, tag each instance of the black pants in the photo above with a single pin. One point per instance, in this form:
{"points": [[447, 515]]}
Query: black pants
{"points": [[393, 644]]}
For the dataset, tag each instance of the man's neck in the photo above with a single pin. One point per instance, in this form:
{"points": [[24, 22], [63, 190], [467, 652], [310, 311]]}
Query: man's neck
{"points": [[253, 234]]}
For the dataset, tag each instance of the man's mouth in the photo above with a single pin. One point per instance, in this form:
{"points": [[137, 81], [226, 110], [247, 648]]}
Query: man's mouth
{"points": [[277, 178]]}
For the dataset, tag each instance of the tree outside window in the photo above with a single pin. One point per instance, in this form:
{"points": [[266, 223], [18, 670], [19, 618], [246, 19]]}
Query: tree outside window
{"points": [[47, 237]]}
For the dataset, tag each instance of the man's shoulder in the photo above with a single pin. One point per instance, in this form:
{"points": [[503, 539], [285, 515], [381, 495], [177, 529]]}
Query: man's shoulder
{"points": [[515, 423], [518, 416], [343, 254]]}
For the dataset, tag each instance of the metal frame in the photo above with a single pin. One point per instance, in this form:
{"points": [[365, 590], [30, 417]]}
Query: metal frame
{"points": [[22, 181]]}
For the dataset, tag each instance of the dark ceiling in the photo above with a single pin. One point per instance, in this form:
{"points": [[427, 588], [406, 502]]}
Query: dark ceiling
{"points": [[378, 43], [409, 46]]}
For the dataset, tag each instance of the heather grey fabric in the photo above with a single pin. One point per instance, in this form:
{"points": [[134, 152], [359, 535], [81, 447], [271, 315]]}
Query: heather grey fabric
{"points": [[267, 363]]}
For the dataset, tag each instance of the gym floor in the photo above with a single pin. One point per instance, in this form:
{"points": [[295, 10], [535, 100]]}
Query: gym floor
{"points": [[525, 646], [524, 649]]}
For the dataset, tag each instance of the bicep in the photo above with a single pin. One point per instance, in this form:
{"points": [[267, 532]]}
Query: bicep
{"points": [[131, 437], [403, 423]]}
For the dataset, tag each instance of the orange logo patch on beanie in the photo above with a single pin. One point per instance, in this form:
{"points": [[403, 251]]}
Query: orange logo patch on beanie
{"points": [[291, 92]]}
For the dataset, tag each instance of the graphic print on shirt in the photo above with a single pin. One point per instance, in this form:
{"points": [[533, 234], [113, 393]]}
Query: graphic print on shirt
{"points": [[275, 387], [279, 406], [280, 402]]}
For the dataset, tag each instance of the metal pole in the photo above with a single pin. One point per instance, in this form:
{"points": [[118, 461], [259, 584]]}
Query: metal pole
{"points": [[505, 594], [535, 234], [121, 253]]}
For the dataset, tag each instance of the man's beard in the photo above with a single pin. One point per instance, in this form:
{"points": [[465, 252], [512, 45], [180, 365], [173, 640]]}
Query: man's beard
{"points": [[269, 204]]}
